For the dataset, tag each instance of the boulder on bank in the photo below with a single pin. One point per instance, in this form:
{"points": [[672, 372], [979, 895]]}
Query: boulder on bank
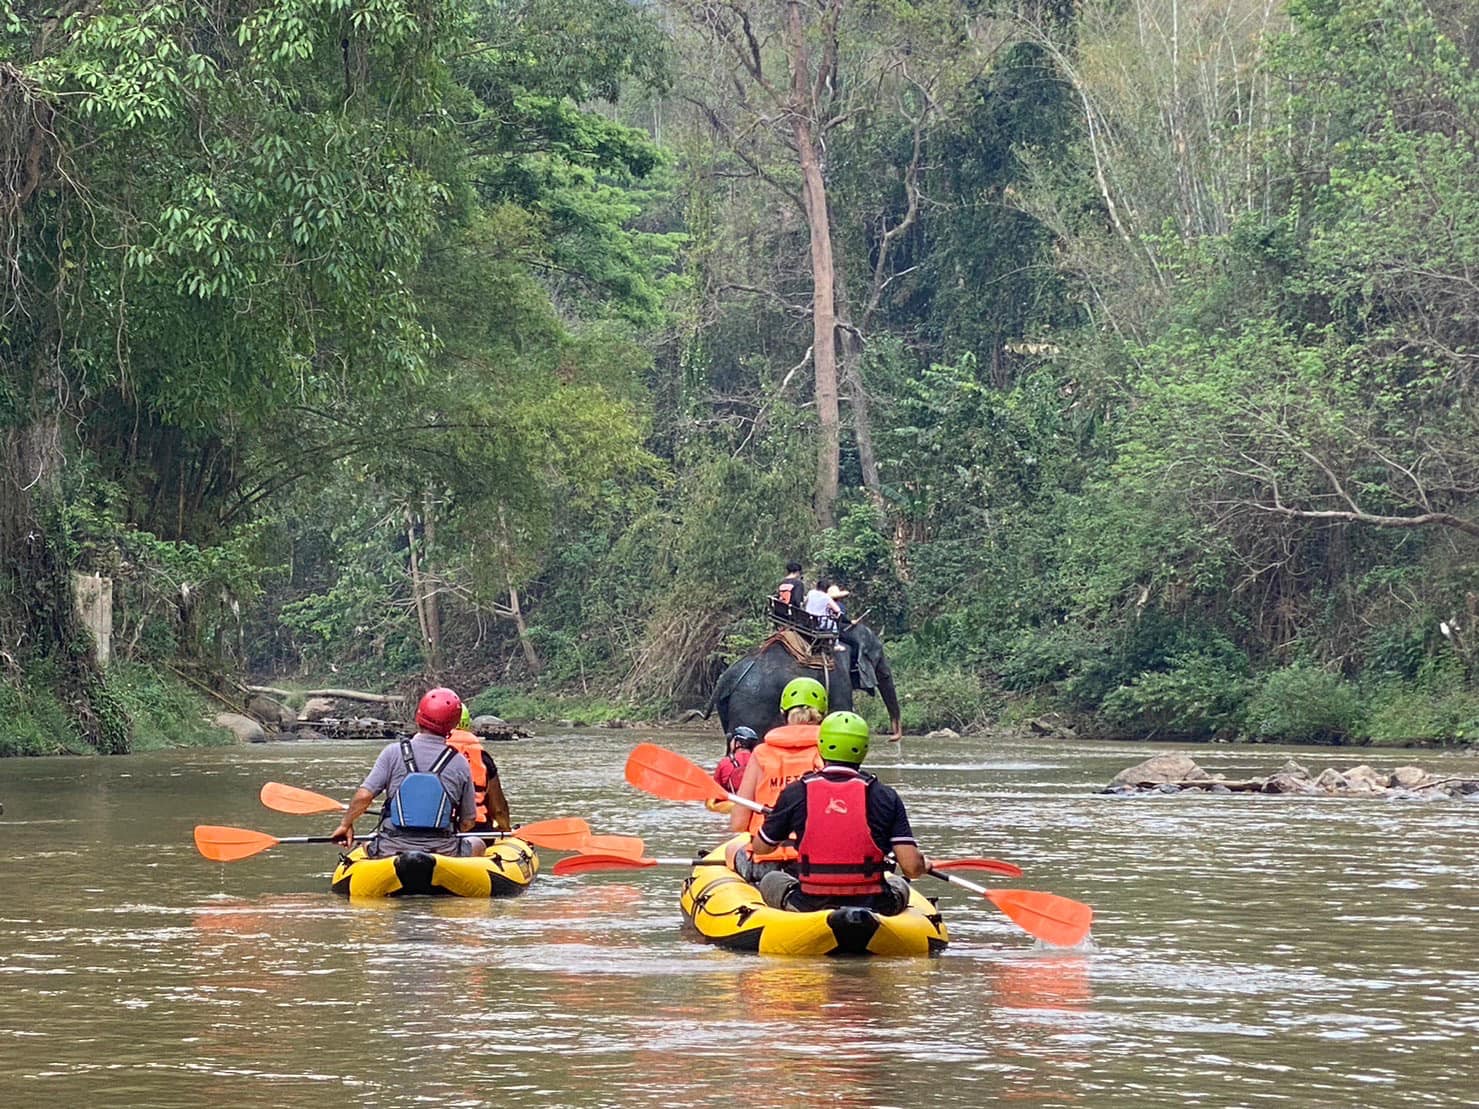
{"points": [[942, 733], [272, 713], [244, 728], [317, 708], [1177, 773]]}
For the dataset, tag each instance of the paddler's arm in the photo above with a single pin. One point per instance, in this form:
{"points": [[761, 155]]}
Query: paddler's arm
{"points": [[359, 804], [739, 816], [467, 807], [498, 806], [912, 863]]}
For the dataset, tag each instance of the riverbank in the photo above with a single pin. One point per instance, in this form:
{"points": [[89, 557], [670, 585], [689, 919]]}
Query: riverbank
{"points": [[162, 710]]}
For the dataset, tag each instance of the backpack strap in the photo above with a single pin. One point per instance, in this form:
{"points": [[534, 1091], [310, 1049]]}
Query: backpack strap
{"points": [[408, 756], [447, 755]]}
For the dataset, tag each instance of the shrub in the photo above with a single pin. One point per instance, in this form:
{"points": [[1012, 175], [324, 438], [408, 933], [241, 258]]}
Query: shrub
{"points": [[1303, 704], [1196, 696], [933, 698]]}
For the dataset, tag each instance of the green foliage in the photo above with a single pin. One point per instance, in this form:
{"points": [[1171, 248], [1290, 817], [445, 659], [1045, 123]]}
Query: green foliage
{"points": [[162, 710], [1303, 704], [1443, 710], [932, 697], [35, 722], [1195, 696]]}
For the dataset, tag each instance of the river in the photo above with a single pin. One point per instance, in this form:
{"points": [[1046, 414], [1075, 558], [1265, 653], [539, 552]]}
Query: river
{"points": [[1248, 950]]}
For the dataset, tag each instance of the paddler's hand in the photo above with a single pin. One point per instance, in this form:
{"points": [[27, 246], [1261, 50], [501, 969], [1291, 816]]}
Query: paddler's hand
{"points": [[343, 835]]}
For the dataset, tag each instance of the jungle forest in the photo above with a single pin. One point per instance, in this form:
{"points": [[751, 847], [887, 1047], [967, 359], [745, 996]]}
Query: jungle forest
{"points": [[1117, 356]]}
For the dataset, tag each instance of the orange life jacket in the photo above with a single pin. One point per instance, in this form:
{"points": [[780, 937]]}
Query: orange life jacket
{"points": [[787, 753], [478, 760]]}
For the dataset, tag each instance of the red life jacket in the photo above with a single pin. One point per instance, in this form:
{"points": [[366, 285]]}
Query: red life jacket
{"points": [[731, 770], [837, 856]]}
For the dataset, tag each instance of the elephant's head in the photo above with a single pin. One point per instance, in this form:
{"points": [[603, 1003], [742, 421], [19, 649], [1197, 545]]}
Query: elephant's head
{"points": [[871, 671]]}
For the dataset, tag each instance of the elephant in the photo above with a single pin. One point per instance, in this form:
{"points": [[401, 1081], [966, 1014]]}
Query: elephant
{"points": [[749, 690]]}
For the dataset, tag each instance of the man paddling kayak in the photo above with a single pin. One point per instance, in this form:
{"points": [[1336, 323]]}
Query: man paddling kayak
{"points": [[428, 789], [845, 822]]}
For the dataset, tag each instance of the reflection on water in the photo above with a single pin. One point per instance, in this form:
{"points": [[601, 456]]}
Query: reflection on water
{"points": [[1250, 950]]}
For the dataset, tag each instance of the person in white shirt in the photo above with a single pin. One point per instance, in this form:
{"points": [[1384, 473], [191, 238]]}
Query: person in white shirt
{"points": [[822, 606]]}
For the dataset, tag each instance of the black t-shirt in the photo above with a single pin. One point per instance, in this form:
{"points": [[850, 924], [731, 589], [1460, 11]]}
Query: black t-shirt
{"points": [[798, 591], [887, 818]]}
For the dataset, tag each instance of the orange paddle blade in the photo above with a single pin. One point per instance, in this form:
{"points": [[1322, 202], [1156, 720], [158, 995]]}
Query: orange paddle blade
{"points": [[995, 866], [281, 798], [1059, 921], [663, 773], [565, 833], [579, 864], [626, 846], [227, 845]]}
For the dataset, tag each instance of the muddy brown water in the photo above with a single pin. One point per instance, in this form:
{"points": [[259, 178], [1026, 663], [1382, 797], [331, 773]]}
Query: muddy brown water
{"points": [[1248, 951]]}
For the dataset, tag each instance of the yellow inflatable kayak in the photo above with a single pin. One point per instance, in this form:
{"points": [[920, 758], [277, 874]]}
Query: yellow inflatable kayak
{"points": [[727, 910], [504, 870]]}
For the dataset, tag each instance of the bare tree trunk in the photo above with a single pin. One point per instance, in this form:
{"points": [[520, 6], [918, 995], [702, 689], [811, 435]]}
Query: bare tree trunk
{"points": [[823, 271], [433, 607], [531, 655], [416, 589]]}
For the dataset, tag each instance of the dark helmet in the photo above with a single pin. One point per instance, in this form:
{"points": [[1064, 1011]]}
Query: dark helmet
{"points": [[744, 737]]}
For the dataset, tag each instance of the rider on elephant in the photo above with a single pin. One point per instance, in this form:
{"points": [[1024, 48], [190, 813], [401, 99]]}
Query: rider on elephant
{"points": [[787, 753]]}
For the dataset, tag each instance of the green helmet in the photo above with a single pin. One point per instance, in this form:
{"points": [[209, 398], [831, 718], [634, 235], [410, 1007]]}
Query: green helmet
{"points": [[804, 691], [466, 722], [843, 737]]}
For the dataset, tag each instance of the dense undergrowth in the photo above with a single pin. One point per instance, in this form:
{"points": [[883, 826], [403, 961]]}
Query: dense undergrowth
{"points": [[161, 711]]}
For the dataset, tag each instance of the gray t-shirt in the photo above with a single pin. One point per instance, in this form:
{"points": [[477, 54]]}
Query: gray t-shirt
{"points": [[390, 771]]}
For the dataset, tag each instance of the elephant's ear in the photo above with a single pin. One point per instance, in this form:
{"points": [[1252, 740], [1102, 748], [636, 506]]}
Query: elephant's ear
{"points": [[864, 674]]}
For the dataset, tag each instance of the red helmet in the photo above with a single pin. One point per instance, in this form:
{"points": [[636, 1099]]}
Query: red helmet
{"points": [[439, 711]]}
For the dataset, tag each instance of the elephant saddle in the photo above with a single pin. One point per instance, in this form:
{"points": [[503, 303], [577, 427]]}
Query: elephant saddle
{"points": [[813, 653]]}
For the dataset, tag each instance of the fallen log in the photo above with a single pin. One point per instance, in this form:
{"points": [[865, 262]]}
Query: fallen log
{"points": [[1251, 785], [353, 695], [343, 694]]}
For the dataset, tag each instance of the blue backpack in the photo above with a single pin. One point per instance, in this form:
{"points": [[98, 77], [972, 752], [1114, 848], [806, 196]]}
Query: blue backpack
{"points": [[422, 803]]}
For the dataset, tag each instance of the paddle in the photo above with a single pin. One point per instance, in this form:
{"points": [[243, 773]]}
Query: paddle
{"points": [[564, 834], [995, 866], [583, 863], [1054, 920], [667, 774], [627, 847], [281, 798], [1046, 916], [227, 845]]}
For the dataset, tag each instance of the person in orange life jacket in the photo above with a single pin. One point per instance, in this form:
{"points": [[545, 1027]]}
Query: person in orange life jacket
{"points": [[488, 790], [428, 789], [787, 753], [792, 589], [731, 769], [846, 822]]}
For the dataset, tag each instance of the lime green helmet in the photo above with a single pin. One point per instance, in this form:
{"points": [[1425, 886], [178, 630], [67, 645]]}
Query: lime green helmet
{"points": [[804, 691], [466, 723], [843, 737]]}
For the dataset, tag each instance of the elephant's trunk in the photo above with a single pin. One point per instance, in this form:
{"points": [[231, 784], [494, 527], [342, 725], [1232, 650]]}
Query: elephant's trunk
{"points": [[890, 697]]}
